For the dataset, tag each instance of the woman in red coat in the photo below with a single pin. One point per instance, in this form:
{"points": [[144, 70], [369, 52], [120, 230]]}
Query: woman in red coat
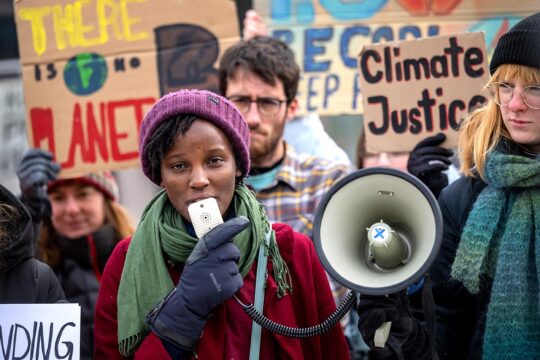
{"points": [[166, 294]]}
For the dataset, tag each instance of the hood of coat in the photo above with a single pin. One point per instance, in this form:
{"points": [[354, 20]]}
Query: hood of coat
{"points": [[17, 242]]}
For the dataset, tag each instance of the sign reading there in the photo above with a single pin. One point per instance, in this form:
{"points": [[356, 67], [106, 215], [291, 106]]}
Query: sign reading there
{"points": [[92, 69]]}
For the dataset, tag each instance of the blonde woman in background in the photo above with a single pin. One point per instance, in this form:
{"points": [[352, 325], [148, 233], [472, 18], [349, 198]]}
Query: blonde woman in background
{"points": [[79, 222]]}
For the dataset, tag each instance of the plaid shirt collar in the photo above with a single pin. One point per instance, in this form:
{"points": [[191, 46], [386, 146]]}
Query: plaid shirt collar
{"points": [[289, 169]]}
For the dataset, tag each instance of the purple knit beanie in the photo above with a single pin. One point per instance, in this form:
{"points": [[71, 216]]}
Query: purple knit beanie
{"points": [[206, 105]]}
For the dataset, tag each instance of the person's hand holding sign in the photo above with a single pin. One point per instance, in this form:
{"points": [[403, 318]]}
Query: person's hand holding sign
{"points": [[428, 160], [253, 25]]}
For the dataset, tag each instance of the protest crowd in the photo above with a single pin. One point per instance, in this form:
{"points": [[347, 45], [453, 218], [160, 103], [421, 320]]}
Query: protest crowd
{"points": [[226, 260]]}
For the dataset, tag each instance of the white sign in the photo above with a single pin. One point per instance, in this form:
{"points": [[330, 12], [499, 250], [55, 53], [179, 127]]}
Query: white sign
{"points": [[40, 331]]}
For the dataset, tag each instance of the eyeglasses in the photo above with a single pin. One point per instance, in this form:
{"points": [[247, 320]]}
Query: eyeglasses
{"points": [[503, 93], [268, 107]]}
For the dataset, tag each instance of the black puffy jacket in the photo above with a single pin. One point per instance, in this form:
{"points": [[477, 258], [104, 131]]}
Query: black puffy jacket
{"points": [[23, 279], [460, 315], [79, 274]]}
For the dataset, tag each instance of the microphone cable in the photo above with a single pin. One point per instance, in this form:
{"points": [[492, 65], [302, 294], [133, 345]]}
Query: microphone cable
{"points": [[302, 333]]}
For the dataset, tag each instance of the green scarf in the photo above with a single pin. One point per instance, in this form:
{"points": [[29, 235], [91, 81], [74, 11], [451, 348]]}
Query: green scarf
{"points": [[145, 279], [501, 240]]}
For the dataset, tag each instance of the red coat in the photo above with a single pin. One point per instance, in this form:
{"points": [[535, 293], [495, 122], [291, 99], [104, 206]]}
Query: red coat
{"points": [[228, 331]]}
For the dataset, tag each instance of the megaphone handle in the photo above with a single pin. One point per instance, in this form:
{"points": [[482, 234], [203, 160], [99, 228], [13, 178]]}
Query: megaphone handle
{"points": [[381, 334]]}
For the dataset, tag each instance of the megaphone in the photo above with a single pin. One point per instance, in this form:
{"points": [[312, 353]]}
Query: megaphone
{"points": [[377, 230]]}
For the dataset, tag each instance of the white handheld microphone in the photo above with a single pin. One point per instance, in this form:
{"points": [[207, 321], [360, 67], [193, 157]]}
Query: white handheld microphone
{"points": [[205, 216]]}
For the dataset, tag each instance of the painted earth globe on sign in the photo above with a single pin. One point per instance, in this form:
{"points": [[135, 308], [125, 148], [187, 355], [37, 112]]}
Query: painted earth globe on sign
{"points": [[85, 73]]}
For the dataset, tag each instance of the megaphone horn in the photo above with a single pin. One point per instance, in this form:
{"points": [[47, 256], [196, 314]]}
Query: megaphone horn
{"points": [[377, 230]]}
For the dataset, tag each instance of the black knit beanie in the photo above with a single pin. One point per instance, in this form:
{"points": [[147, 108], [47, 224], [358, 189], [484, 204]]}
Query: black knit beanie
{"points": [[520, 45]]}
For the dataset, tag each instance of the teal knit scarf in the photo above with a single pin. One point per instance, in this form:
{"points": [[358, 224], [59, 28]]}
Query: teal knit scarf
{"points": [[501, 239], [145, 279]]}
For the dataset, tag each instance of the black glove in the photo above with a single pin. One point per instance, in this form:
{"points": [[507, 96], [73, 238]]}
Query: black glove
{"points": [[428, 160], [34, 171], [407, 338], [210, 277]]}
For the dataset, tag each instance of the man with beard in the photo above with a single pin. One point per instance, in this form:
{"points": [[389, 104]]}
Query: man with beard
{"points": [[260, 76]]}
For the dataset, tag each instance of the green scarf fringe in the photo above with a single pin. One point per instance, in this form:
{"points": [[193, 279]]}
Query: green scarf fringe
{"points": [[280, 271], [145, 279], [126, 345]]}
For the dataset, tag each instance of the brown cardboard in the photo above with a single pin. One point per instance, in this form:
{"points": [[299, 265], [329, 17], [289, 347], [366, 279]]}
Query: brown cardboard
{"points": [[326, 36], [417, 88], [92, 69]]}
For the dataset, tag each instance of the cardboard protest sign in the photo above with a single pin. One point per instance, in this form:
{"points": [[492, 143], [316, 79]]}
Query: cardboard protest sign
{"points": [[326, 35], [417, 88], [40, 331], [92, 69]]}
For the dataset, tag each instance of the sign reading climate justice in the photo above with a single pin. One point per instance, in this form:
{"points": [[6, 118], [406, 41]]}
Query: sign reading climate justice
{"points": [[416, 88], [92, 69]]}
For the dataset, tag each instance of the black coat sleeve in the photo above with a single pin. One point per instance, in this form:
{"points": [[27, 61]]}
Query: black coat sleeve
{"points": [[49, 289], [454, 305]]}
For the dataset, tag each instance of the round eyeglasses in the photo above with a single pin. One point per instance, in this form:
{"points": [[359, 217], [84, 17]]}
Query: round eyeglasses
{"points": [[503, 93], [268, 107]]}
